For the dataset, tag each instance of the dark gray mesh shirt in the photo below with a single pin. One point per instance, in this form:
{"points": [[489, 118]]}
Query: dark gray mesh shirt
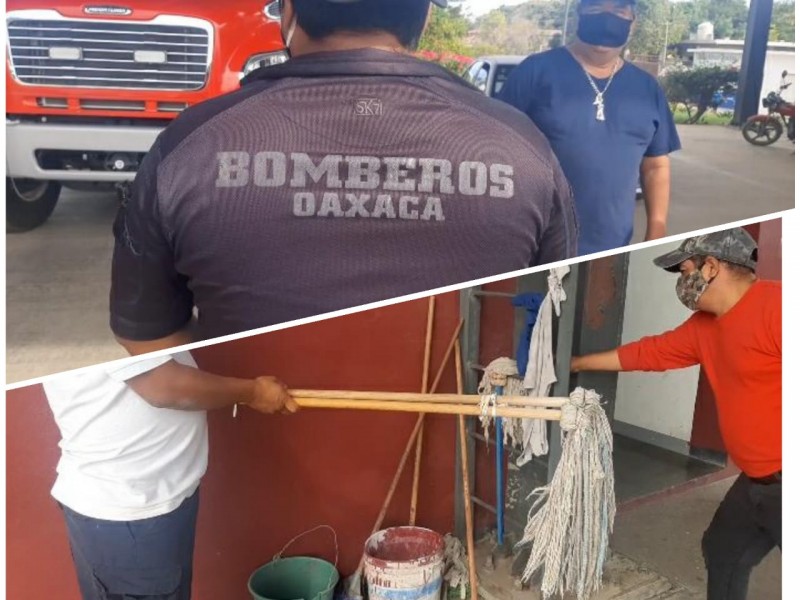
{"points": [[331, 181]]}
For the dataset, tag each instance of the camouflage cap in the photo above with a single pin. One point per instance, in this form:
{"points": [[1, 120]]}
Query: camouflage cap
{"points": [[732, 245]]}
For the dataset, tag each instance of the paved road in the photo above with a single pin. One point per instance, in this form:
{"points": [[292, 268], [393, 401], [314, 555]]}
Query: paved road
{"points": [[57, 275], [718, 178], [57, 289]]}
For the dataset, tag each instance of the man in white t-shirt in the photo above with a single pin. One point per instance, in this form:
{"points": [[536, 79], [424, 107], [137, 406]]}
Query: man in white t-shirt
{"points": [[134, 446]]}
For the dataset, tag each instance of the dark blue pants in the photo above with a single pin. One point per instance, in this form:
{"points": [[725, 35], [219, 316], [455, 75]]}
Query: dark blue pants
{"points": [[148, 559], [746, 526]]}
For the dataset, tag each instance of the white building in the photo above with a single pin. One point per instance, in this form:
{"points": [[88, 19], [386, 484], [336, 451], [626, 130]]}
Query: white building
{"points": [[728, 53]]}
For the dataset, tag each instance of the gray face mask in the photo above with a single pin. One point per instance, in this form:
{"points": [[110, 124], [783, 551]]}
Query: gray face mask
{"points": [[690, 287]]}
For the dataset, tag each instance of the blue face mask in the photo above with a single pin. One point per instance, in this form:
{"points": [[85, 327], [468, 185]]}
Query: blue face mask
{"points": [[604, 29]]}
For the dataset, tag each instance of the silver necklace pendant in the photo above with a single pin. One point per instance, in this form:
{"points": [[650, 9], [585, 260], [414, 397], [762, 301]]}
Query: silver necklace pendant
{"points": [[601, 109], [599, 101], [601, 112]]}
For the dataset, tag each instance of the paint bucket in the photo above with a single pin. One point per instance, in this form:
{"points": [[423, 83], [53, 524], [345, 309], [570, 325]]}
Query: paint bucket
{"points": [[295, 578], [404, 563]]}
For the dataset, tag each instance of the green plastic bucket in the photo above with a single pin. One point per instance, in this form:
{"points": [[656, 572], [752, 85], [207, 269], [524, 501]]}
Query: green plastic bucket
{"points": [[295, 578], [298, 578]]}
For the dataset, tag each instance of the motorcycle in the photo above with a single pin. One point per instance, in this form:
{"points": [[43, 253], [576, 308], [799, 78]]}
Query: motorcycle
{"points": [[763, 130]]}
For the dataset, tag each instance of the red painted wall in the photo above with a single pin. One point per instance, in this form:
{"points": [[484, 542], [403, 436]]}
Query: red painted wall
{"points": [[271, 478], [770, 264]]}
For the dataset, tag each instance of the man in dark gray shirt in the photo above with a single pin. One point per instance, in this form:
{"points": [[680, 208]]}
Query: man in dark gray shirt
{"points": [[350, 174]]}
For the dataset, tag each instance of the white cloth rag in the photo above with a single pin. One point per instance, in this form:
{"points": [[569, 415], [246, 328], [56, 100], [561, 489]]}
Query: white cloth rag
{"points": [[540, 374]]}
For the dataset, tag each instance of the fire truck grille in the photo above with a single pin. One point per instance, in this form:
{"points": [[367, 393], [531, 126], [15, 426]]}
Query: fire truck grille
{"points": [[110, 54]]}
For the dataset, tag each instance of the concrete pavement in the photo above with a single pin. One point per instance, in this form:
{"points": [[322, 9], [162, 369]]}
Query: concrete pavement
{"points": [[655, 555], [665, 536], [57, 275], [718, 178], [57, 290]]}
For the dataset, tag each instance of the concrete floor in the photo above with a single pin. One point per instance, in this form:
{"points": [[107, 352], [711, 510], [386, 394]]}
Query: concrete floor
{"points": [[665, 536], [642, 469], [623, 579], [57, 282], [718, 178], [655, 555], [57, 275]]}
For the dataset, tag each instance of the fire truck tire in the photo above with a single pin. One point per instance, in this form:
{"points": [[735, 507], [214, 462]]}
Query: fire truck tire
{"points": [[29, 203]]}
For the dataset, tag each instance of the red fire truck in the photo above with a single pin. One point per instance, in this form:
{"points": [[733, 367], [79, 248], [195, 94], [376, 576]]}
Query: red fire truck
{"points": [[90, 86]]}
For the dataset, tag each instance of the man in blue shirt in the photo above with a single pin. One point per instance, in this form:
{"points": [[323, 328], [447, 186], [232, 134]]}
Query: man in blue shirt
{"points": [[608, 123]]}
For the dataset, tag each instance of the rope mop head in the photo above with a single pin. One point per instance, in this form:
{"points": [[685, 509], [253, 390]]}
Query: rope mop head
{"points": [[571, 519], [501, 372]]}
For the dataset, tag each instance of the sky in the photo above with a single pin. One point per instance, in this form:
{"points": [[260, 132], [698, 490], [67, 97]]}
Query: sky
{"points": [[480, 7]]}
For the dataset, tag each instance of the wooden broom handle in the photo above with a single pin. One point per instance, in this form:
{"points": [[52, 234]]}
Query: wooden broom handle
{"points": [[412, 518], [386, 502], [432, 388], [401, 466], [548, 414], [470, 528], [471, 400], [426, 364]]}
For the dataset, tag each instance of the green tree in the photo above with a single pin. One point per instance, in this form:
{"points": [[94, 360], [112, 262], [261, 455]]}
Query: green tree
{"points": [[679, 23], [651, 28], [541, 18], [697, 89], [783, 15], [446, 32], [728, 16], [493, 30], [657, 22], [548, 14], [505, 34]]}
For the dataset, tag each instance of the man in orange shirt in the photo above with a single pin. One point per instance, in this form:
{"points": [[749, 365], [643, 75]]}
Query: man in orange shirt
{"points": [[735, 334]]}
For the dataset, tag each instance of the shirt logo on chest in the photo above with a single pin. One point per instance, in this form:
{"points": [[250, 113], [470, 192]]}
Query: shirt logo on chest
{"points": [[369, 107]]}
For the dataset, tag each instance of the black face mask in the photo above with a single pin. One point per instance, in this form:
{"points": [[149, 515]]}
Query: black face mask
{"points": [[604, 29]]}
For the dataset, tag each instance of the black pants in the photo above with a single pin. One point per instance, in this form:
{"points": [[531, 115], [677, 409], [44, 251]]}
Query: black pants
{"points": [[148, 559], [746, 526]]}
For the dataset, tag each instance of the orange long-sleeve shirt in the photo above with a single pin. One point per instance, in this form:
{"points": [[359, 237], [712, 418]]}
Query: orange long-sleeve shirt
{"points": [[741, 354]]}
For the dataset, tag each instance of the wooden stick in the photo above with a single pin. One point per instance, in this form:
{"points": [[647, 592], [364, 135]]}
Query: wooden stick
{"points": [[448, 353], [355, 582], [426, 365], [412, 518], [396, 479], [434, 385], [469, 399], [549, 414], [470, 533]]}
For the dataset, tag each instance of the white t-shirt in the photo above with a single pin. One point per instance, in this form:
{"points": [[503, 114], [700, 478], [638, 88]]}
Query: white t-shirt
{"points": [[121, 458]]}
